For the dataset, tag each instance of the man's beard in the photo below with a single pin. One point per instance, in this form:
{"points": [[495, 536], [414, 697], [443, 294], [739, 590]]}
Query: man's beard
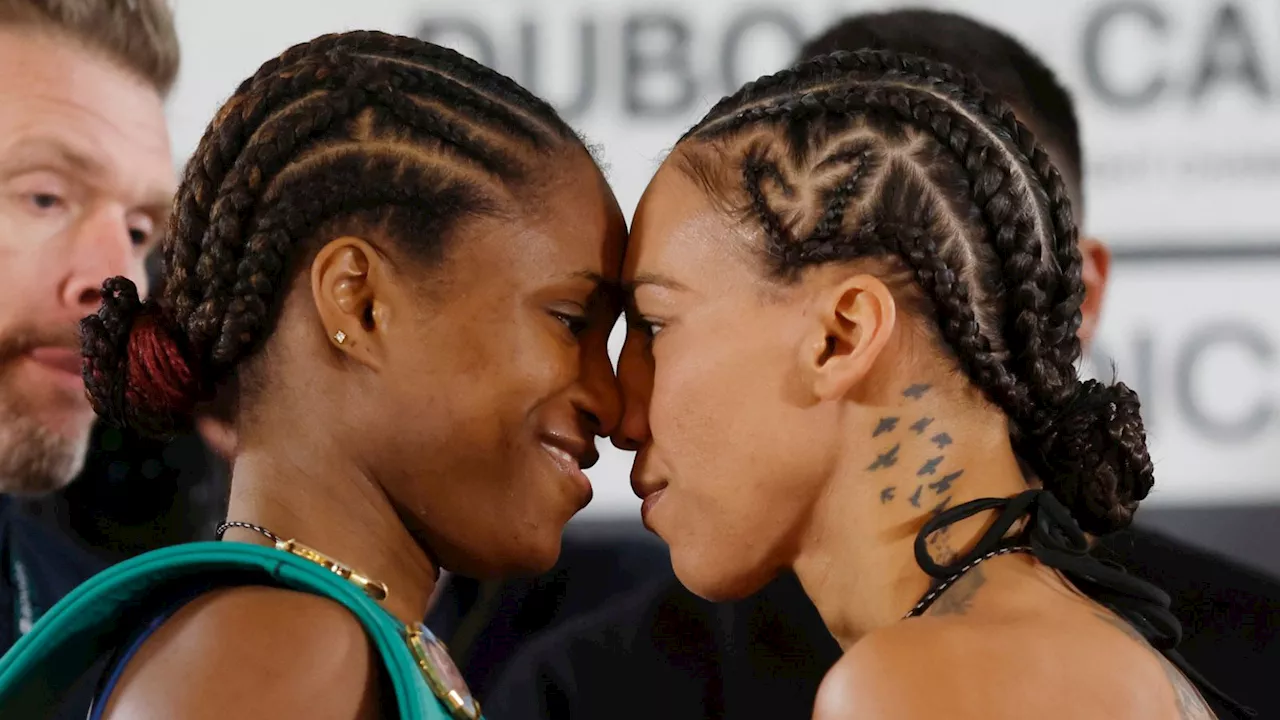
{"points": [[34, 460]]}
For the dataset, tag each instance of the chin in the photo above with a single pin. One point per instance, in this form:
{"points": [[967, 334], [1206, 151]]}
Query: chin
{"points": [[715, 578], [75, 427], [35, 460], [528, 557], [70, 422], [540, 555]]}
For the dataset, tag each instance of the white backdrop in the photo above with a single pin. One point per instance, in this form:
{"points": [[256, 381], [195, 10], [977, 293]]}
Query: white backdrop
{"points": [[1178, 101]]}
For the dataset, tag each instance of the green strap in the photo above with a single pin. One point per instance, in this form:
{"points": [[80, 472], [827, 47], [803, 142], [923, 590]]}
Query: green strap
{"points": [[86, 624]]}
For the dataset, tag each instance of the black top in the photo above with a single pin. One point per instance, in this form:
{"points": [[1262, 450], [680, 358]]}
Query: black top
{"points": [[38, 566], [666, 653], [663, 652]]}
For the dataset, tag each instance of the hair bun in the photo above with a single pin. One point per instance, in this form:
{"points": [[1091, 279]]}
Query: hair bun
{"points": [[135, 370], [1094, 453]]}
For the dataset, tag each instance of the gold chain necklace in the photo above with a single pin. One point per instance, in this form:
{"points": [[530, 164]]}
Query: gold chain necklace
{"points": [[430, 654]]}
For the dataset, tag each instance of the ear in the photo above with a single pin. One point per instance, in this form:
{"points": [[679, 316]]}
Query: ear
{"points": [[350, 289], [218, 435], [858, 316], [1096, 268]]}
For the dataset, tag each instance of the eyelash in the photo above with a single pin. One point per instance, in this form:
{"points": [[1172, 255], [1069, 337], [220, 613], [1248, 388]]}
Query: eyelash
{"points": [[55, 201], [645, 326], [576, 324]]}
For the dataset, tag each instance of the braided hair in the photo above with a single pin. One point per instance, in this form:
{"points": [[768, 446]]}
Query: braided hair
{"points": [[875, 155], [349, 132]]}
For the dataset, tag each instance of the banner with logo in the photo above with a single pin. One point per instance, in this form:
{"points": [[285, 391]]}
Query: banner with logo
{"points": [[1179, 102]]}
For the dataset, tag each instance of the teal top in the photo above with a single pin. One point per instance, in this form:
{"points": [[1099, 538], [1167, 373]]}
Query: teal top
{"points": [[84, 627]]}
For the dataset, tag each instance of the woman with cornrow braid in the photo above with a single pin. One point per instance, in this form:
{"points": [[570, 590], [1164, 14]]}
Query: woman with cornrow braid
{"points": [[400, 268], [854, 296]]}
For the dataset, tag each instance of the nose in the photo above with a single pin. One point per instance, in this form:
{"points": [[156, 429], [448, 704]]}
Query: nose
{"points": [[635, 377], [600, 401], [100, 248]]}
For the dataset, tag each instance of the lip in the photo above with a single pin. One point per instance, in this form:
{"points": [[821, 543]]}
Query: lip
{"points": [[572, 456], [649, 494], [580, 450], [648, 503], [63, 363]]}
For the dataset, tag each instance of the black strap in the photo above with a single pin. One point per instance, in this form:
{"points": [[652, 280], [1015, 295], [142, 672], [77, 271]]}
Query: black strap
{"points": [[1056, 540]]}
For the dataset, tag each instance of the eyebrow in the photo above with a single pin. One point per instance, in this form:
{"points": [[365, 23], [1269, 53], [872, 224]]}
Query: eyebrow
{"points": [[657, 279], [591, 275], [605, 289], [39, 152], [602, 284]]}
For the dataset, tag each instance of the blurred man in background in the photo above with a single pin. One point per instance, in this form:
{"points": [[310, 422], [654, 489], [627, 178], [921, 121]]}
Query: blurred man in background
{"points": [[665, 653], [86, 179]]}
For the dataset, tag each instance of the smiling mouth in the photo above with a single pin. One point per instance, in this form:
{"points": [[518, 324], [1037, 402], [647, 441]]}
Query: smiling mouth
{"points": [[563, 456], [572, 466]]}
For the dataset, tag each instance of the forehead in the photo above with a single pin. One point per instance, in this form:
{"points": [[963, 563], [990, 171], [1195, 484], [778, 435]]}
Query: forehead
{"points": [[571, 224], [55, 96], [677, 232]]}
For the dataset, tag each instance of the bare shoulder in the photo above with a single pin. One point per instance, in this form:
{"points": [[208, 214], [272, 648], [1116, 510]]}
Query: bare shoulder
{"points": [[252, 652], [1188, 701], [974, 668], [899, 672]]}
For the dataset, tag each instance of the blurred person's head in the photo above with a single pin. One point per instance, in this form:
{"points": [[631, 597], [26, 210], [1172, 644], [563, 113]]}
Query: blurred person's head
{"points": [[86, 179], [394, 258], [1013, 73], [846, 274]]}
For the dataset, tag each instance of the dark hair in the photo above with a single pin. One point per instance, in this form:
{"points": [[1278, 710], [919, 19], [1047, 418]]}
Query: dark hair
{"points": [[357, 132], [1003, 64], [136, 34], [905, 160]]}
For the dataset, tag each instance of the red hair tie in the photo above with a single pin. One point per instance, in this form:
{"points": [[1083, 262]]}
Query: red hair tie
{"points": [[160, 377]]}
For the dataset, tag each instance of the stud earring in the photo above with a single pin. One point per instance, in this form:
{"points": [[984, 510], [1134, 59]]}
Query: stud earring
{"points": [[339, 337]]}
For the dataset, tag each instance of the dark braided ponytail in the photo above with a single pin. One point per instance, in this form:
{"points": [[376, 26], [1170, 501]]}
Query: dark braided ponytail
{"points": [[911, 161], [358, 130]]}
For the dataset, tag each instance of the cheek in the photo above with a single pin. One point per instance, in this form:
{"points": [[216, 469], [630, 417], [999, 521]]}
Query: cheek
{"points": [[470, 399], [741, 451], [691, 410], [717, 400], [535, 368], [712, 418], [23, 244], [465, 418], [441, 390], [28, 293], [497, 368]]}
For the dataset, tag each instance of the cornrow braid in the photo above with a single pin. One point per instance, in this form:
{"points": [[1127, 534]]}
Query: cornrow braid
{"points": [[993, 192], [1063, 319], [326, 64], [836, 200], [361, 131], [373, 86], [754, 172], [913, 162]]}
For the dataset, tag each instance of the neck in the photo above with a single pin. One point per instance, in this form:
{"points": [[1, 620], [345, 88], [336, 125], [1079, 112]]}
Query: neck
{"points": [[857, 558], [331, 504]]}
